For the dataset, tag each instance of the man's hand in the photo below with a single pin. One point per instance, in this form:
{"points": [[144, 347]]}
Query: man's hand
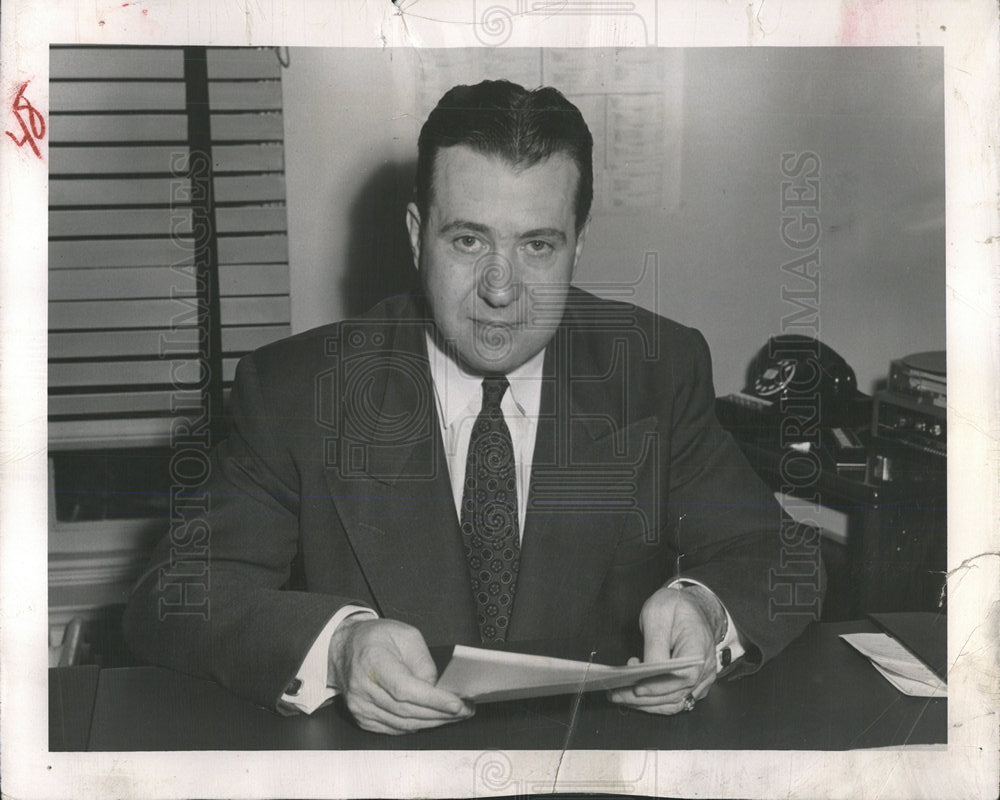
{"points": [[673, 625], [383, 669]]}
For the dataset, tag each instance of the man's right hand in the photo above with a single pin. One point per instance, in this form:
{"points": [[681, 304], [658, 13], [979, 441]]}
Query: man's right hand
{"points": [[387, 676]]}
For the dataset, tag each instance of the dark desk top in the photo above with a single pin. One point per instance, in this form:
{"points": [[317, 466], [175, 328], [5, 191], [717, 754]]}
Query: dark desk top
{"points": [[71, 705], [820, 694]]}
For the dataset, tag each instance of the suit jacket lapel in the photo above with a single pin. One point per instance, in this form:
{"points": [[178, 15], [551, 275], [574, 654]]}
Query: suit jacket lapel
{"points": [[392, 490], [573, 522]]}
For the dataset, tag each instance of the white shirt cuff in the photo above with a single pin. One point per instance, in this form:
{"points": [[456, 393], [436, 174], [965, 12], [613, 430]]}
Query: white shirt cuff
{"points": [[310, 680], [731, 640]]}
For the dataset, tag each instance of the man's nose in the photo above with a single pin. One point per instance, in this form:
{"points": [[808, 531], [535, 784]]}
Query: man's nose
{"points": [[497, 282]]}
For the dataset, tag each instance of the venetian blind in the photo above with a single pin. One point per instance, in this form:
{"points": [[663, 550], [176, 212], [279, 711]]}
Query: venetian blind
{"points": [[127, 294]]}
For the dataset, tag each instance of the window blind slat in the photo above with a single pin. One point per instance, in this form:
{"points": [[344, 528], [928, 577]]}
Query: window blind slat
{"points": [[96, 433], [120, 402], [120, 283], [125, 373], [253, 249], [111, 314], [244, 339], [242, 96], [120, 160], [119, 222], [139, 62], [243, 63], [119, 253], [250, 279], [118, 128], [256, 310], [249, 188], [113, 96], [174, 343], [173, 191], [263, 126], [100, 344], [247, 157], [247, 219]]}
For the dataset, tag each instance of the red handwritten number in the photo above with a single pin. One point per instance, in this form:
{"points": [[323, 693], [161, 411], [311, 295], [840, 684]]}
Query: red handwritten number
{"points": [[34, 128]]}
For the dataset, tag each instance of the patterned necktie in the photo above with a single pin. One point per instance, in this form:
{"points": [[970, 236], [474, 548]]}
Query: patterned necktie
{"points": [[489, 515]]}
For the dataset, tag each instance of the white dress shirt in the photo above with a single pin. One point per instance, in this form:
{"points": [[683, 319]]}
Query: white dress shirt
{"points": [[458, 399]]}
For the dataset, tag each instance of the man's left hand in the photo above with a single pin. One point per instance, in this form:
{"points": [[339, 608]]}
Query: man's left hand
{"points": [[673, 625]]}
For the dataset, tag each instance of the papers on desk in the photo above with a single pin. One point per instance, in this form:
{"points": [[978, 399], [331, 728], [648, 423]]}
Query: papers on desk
{"points": [[489, 675], [897, 664]]}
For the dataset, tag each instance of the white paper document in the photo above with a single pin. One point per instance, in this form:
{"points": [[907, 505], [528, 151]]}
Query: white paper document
{"points": [[489, 675], [897, 664]]}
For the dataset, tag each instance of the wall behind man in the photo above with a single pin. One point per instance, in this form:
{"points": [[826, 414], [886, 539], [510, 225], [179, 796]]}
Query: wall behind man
{"points": [[688, 216]]}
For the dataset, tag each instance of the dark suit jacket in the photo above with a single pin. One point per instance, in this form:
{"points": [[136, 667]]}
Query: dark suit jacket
{"points": [[333, 488]]}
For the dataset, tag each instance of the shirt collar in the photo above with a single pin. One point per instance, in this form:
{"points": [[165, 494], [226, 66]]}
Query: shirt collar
{"points": [[458, 391]]}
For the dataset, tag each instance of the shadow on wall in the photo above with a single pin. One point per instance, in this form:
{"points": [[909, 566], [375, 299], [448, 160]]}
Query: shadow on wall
{"points": [[379, 259]]}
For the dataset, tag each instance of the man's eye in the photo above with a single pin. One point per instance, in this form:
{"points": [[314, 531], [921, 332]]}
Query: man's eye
{"points": [[537, 247], [468, 244]]}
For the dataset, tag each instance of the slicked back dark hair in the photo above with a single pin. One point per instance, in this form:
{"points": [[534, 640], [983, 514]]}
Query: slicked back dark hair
{"points": [[502, 119]]}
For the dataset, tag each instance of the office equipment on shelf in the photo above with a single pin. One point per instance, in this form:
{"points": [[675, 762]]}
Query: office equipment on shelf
{"points": [[921, 375], [868, 471], [912, 412]]}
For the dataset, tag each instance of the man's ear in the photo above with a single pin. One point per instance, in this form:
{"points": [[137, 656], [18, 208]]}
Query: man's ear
{"points": [[413, 227], [578, 250]]}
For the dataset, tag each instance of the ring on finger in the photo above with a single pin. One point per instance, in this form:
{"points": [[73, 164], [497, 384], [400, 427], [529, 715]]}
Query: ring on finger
{"points": [[688, 704]]}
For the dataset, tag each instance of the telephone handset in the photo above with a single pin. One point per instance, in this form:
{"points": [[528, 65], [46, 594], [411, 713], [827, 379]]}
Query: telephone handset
{"points": [[789, 373], [793, 367]]}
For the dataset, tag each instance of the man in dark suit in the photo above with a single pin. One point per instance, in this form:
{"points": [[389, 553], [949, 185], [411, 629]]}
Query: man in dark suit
{"points": [[505, 458]]}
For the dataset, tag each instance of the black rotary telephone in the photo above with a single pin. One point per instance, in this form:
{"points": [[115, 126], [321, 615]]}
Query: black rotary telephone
{"points": [[793, 371], [795, 368]]}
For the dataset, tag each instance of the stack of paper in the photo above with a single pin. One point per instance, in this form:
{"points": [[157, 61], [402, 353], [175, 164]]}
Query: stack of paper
{"points": [[487, 675], [898, 666]]}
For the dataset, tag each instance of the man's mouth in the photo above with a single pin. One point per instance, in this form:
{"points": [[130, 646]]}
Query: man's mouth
{"points": [[493, 323]]}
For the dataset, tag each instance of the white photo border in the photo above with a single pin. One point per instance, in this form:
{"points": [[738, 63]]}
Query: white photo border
{"points": [[966, 767]]}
